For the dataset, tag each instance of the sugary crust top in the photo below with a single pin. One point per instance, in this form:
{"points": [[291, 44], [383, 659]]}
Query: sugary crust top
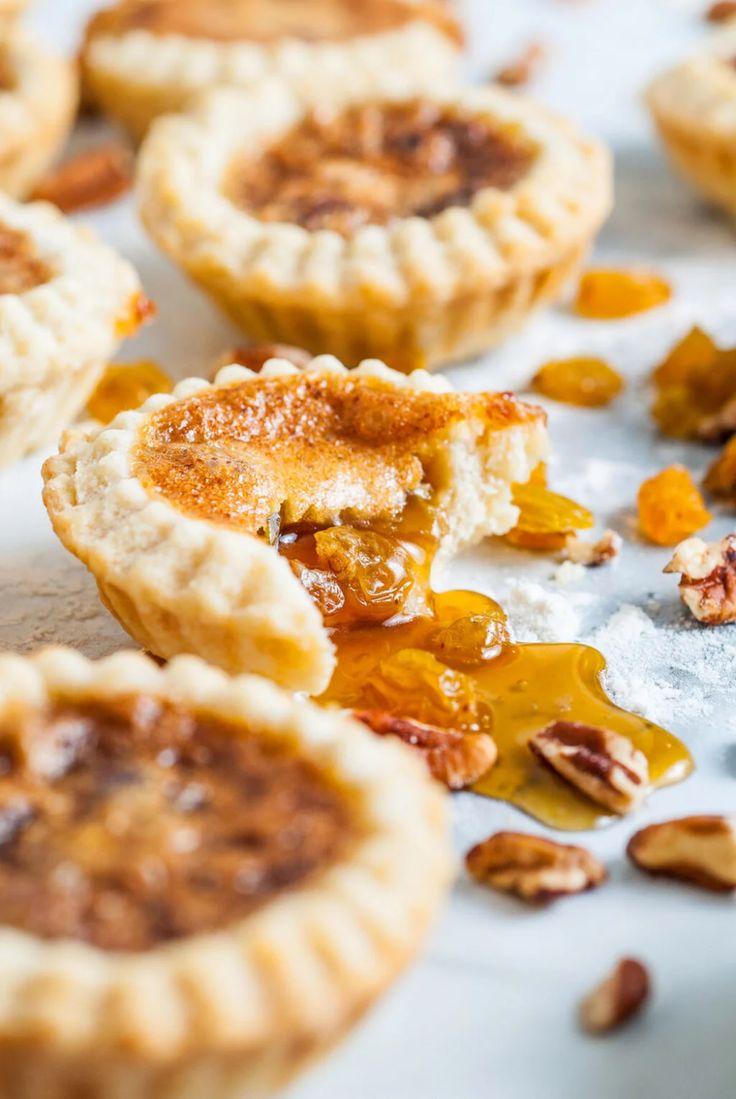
{"points": [[700, 92]]}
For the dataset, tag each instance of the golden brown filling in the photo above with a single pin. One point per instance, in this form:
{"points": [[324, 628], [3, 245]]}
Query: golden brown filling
{"points": [[21, 269], [372, 163], [132, 822], [260, 20]]}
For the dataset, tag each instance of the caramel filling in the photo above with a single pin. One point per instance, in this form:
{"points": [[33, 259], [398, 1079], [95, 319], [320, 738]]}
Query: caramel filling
{"points": [[258, 20], [373, 163], [132, 822], [21, 269]]}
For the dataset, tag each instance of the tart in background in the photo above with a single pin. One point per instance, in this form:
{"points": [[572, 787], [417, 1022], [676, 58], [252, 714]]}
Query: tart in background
{"points": [[10, 10], [66, 303], [143, 58], [416, 226], [208, 881]]}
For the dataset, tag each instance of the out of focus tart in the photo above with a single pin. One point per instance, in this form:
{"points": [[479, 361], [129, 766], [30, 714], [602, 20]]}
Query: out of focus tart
{"points": [[204, 882], [66, 303], [242, 520], [143, 58], [418, 227], [693, 106], [9, 13], [38, 102]]}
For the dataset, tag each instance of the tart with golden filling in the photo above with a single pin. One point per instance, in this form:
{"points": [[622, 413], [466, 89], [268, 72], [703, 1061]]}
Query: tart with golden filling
{"points": [[38, 102], [66, 303], [693, 106], [242, 520], [143, 58], [203, 881], [418, 226]]}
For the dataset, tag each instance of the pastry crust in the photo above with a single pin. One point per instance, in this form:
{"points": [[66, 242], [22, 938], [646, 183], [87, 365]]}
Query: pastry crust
{"points": [[179, 583], [137, 76], [36, 113], [240, 1010], [56, 337], [417, 291], [10, 10], [693, 106]]}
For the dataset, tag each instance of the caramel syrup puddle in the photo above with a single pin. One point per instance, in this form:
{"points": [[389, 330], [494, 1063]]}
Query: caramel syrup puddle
{"points": [[451, 679]]}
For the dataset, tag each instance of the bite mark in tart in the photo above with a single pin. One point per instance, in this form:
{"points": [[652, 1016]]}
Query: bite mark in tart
{"points": [[66, 303], [419, 225], [143, 58], [203, 880]]}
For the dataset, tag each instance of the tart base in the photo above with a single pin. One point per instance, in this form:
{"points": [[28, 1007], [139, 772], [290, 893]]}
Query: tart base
{"points": [[707, 161]]}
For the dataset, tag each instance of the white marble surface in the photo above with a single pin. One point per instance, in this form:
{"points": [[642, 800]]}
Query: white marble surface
{"points": [[490, 1009]]}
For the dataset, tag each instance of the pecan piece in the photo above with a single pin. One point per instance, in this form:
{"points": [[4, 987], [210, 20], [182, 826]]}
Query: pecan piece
{"points": [[522, 69], [256, 355], [617, 999], [721, 11], [92, 178], [697, 849], [601, 764], [708, 578], [532, 867], [593, 554], [455, 759]]}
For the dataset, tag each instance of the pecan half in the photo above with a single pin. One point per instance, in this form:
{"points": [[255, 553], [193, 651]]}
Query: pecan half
{"points": [[532, 867], [617, 999], [721, 11], [520, 70], [455, 759], [708, 578], [603, 765], [256, 355], [93, 178], [698, 849], [593, 554]]}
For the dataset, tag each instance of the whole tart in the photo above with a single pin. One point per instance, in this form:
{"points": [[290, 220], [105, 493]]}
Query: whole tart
{"points": [[184, 509], [204, 883], [38, 103], [693, 106], [66, 303], [418, 227], [143, 58]]}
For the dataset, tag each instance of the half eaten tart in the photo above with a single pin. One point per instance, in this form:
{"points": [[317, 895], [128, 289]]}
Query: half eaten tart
{"points": [[419, 226], [143, 58], [694, 109], [204, 882], [38, 102], [66, 303], [181, 508]]}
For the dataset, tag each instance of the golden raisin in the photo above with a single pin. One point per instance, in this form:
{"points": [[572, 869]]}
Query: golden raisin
{"points": [[415, 684], [124, 386], [546, 519], [695, 390], [582, 381], [373, 571], [474, 639], [694, 351], [670, 507], [721, 477], [610, 294]]}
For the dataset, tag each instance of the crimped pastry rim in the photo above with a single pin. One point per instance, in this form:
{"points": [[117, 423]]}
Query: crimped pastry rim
{"points": [[559, 201], [44, 96], [299, 965]]}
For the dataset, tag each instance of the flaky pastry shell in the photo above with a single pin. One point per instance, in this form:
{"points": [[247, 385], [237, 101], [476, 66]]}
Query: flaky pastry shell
{"points": [[235, 1012], [180, 583], [415, 292]]}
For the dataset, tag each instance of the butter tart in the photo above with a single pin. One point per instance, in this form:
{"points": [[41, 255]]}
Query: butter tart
{"points": [[693, 106], [143, 58], [10, 10], [66, 303], [415, 227], [38, 103], [204, 882], [187, 509]]}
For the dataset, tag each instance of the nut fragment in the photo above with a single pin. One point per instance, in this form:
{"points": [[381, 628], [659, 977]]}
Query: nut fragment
{"points": [[523, 68], [721, 11], [92, 178], [617, 999], [603, 765], [698, 849], [255, 356], [593, 554], [455, 759], [708, 580], [532, 867]]}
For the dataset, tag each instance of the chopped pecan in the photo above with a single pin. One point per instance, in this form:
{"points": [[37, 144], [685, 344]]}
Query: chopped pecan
{"points": [[708, 578], [532, 867], [698, 849], [617, 999], [721, 11], [523, 68], [257, 355], [602, 764], [455, 759], [93, 178], [593, 554]]}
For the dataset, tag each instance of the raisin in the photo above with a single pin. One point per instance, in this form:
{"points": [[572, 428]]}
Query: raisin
{"points": [[471, 640], [721, 477], [124, 386], [670, 507], [695, 390], [586, 382], [546, 519], [609, 294], [373, 571], [416, 684]]}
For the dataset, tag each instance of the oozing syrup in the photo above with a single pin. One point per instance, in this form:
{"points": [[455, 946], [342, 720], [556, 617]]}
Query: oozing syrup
{"points": [[446, 658]]}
